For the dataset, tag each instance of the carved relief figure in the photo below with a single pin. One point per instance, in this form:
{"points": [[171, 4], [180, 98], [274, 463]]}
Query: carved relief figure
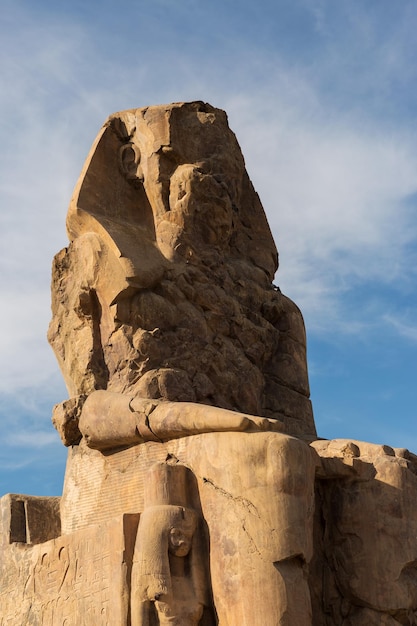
{"points": [[169, 583]]}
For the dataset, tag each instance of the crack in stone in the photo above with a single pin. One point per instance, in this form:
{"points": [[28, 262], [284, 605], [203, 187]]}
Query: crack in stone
{"points": [[252, 541], [249, 506]]}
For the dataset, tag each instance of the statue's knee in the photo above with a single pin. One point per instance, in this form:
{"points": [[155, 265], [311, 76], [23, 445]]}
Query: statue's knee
{"points": [[292, 463]]}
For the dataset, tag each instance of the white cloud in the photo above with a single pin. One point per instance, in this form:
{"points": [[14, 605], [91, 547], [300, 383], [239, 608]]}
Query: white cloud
{"points": [[335, 190], [32, 439], [403, 326], [26, 358]]}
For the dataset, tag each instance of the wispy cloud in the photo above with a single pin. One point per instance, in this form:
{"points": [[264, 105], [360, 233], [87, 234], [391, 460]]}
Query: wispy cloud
{"points": [[32, 439], [339, 197], [403, 325]]}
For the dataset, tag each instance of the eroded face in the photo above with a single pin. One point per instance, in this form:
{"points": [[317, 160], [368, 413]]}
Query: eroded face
{"points": [[200, 207], [180, 540], [181, 531], [191, 168]]}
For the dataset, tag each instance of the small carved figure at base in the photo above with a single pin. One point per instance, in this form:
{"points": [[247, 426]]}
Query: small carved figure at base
{"points": [[168, 576]]}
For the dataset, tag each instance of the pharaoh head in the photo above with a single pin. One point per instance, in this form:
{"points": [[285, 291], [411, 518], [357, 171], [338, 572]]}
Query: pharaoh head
{"points": [[169, 183]]}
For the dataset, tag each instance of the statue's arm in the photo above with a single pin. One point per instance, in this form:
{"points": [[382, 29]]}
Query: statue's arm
{"points": [[109, 420]]}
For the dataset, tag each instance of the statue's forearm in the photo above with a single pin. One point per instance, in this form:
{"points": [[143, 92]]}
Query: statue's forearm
{"points": [[109, 420]]}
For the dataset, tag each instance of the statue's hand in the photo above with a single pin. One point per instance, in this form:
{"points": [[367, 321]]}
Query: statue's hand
{"points": [[65, 418], [171, 420], [256, 423]]}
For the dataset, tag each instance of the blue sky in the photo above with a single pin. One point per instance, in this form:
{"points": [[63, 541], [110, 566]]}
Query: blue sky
{"points": [[323, 98]]}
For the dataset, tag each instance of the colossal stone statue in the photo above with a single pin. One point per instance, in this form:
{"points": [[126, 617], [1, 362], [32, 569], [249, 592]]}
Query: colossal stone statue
{"points": [[166, 326], [196, 490]]}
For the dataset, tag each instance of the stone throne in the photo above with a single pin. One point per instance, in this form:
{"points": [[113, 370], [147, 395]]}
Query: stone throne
{"points": [[196, 490]]}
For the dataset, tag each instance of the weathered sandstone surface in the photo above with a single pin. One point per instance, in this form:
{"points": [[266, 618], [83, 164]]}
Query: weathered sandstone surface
{"points": [[196, 489]]}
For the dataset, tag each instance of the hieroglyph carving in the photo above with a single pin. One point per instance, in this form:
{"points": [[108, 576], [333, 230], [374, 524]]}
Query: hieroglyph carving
{"points": [[76, 579]]}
